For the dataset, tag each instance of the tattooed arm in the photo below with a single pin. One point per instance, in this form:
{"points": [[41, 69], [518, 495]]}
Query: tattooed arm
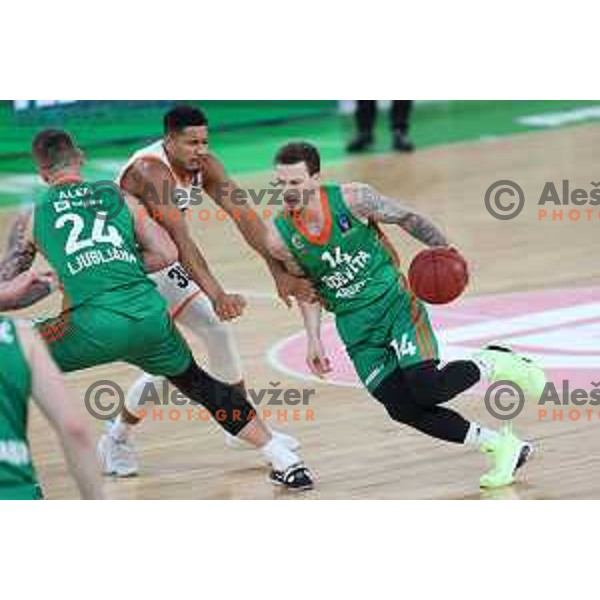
{"points": [[365, 202], [26, 287], [20, 251]]}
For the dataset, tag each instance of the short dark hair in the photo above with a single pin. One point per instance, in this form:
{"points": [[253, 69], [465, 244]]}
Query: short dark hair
{"points": [[295, 152], [180, 117], [53, 148]]}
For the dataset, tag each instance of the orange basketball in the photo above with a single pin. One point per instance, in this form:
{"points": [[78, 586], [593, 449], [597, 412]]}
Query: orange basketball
{"points": [[438, 275]]}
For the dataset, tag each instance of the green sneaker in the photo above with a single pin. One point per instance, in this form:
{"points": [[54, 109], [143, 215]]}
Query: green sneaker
{"points": [[504, 364], [507, 454]]}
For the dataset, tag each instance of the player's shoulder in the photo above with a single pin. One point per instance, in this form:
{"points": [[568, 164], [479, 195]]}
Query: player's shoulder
{"points": [[355, 192], [143, 169]]}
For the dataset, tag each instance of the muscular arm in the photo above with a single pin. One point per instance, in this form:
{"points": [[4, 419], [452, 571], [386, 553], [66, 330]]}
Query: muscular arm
{"points": [[311, 315], [158, 250], [367, 203], [20, 253], [221, 188], [26, 289], [145, 180], [50, 394]]}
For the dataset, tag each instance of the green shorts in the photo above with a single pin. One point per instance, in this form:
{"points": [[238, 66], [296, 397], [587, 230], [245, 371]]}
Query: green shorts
{"points": [[392, 332], [131, 325], [25, 491]]}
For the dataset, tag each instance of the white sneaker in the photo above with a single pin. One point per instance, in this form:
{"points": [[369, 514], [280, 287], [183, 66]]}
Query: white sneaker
{"points": [[117, 458], [235, 443]]}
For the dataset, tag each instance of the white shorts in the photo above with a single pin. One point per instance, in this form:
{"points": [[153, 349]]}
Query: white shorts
{"points": [[177, 287], [192, 308]]}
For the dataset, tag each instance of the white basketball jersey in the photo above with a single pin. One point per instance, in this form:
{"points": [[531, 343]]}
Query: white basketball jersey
{"points": [[184, 189], [174, 283]]}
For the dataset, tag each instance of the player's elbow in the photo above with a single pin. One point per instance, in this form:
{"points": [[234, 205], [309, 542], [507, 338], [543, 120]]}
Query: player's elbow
{"points": [[165, 251], [168, 253]]}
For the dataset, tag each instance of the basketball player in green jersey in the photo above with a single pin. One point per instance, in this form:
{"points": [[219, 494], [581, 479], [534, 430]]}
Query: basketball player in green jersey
{"points": [[26, 369], [329, 233], [100, 244]]}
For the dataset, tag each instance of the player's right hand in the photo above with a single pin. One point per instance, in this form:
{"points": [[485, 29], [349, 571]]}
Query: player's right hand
{"points": [[229, 306], [30, 281], [317, 360], [289, 286]]}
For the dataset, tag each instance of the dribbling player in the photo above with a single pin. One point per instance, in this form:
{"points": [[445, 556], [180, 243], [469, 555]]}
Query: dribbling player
{"points": [[327, 232], [175, 173]]}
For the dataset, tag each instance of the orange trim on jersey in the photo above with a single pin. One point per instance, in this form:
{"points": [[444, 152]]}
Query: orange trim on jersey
{"points": [[179, 308], [67, 179], [149, 157], [323, 236], [414, 315], [387, 244], [425, 331]]}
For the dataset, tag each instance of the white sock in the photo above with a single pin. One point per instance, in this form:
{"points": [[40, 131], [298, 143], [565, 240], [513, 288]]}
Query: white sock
{"points": [[478, 435], [119, 430], [278, 455], [136, 391]]}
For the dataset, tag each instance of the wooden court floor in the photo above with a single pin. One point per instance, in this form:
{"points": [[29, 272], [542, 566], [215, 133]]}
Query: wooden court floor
{"points": [[354, 450]]}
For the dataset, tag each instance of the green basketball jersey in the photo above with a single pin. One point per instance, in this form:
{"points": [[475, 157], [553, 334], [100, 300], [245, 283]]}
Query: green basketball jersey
{"points": [[17, 475], [347, 262], [382, 324], [86, 232]]}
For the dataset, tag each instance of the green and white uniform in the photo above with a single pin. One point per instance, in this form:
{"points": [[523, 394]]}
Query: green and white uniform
{"points": [[113, 311], [18, 480], [382, 324]]}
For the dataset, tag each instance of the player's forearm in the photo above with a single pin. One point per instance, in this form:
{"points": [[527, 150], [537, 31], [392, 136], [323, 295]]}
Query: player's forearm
{"points": [[253, 231], [7, 297], [420, 227], [154, 261], [195, 264], [15, 295], [367, 203], [78, 447], [311, 314], [423, 229], [11, 301], [20, 252]]}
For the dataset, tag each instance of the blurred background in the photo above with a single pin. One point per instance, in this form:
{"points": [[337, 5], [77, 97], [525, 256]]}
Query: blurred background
{"points": [[246, 133]]}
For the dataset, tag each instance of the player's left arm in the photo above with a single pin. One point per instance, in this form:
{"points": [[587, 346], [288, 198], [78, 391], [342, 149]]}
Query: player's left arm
{"points": [[365, 202], [28, 287], [221, 188]]}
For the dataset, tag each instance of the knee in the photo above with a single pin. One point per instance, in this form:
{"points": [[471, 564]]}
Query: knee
{"points": [[398, 398]]}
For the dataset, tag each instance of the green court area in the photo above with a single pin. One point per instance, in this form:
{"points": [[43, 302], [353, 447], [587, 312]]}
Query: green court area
{"points": [[245, 134]]}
